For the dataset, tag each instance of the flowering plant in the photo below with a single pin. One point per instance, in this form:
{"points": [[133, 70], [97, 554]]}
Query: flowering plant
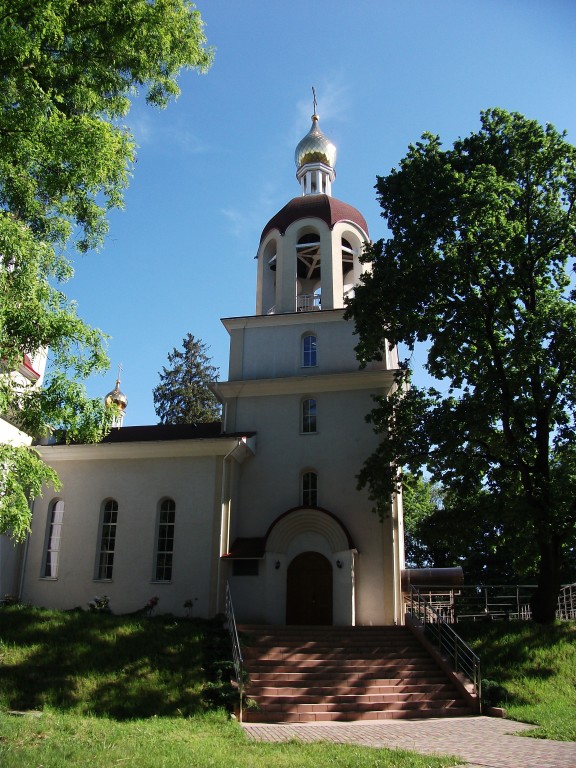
{"points": [[189, 605], [100, 604], [151, 604]]}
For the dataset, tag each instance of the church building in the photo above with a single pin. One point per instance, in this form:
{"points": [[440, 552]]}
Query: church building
{"points": [[266, 501]]}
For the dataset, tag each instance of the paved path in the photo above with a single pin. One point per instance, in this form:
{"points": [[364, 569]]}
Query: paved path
{"points": [[483, 742]]}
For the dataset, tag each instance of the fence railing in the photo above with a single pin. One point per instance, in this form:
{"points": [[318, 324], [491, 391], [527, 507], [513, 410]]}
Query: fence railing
{"points": [[236, 648], [494, 602], [440, 633], [567, 603], [308, 302], [481, 602]]}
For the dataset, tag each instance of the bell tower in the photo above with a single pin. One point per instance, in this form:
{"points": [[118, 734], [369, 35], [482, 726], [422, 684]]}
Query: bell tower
{"points": [[309, 254], [299, 542]]}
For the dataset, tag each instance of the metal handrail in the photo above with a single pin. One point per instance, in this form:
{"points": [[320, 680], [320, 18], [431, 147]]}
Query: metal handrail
{"points": [[459, 655], [236, 648]]}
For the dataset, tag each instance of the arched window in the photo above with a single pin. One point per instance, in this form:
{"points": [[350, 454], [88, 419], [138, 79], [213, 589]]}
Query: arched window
{"points": [[308, 415], [309, 494], [107, 540], [165, 541], [308, 252], [351, 247], [53, 539], [308, 268], [309, 351], [347, 256]]}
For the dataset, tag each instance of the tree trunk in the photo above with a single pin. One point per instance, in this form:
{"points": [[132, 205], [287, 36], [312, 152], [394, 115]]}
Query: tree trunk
{"points": [[545, 598]]}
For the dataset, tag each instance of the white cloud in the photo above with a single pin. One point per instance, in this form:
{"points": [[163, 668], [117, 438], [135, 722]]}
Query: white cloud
{"points": [[246, 223], [151, 128]]}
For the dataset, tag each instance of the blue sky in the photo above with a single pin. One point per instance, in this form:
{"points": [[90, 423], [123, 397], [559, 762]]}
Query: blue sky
{"points": [[217, 164]]}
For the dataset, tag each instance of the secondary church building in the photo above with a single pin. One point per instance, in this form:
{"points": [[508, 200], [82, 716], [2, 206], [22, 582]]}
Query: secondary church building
{"points": [[265, 501]]}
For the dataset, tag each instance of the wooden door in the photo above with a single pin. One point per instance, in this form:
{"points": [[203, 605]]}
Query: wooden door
{"points": [[309, 590]]}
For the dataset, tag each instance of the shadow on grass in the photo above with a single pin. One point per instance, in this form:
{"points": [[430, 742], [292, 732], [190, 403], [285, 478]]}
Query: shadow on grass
{"points": [[511, 651], [123, 667]]}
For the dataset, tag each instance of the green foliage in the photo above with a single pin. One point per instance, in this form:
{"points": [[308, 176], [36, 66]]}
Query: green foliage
{"points": [[69, 69], [476, 533], [421, 500], [479, 266], [531, 671], [183, 395], [23, 475]]}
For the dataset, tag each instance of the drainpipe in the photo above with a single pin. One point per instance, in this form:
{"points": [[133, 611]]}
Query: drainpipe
{"points": [[225, 505], [23, 559]]}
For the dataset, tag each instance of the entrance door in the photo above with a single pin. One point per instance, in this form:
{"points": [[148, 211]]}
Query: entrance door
{"points": [[309, 590]]}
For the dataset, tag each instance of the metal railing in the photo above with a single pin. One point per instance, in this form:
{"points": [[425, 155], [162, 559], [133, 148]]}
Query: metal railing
{"points": [[236, 649], [567, 603], [494, 602], [308, 302], [440, 633]]}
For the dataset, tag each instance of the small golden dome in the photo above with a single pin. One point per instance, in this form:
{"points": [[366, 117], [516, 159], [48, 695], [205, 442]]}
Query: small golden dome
{"points": [[117, 397], [315, 147]]}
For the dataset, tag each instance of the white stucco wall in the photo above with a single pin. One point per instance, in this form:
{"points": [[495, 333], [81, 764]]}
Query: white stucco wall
{"points": [[269, 346], [12, 435], [138, 486], [268, 384]]}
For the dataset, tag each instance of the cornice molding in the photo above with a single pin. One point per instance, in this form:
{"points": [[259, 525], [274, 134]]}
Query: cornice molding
{"points": [[290, 318], [381, 381], [144, 450]]}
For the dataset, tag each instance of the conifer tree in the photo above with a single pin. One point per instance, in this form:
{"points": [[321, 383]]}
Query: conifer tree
{"points": [[183, 395]]}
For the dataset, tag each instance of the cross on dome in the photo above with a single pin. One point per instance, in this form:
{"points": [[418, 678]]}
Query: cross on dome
{"points": [[315, 159]]}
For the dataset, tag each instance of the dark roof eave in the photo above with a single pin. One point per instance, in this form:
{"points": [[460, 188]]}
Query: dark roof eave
{"points": [[169, 432]]}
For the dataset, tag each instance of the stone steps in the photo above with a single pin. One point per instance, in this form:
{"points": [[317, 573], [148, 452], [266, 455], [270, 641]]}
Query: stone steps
{"points": [[308, 674]]}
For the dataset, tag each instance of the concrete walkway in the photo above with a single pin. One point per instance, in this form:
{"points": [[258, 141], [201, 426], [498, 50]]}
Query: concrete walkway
{"points": [[483, 742]]}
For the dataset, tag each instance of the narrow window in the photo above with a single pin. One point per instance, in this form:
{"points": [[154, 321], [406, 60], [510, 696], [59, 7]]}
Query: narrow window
{"points": [[309, 489], [107, 540], [309, 351], [53, 539], [165, 542], [309, 415]]}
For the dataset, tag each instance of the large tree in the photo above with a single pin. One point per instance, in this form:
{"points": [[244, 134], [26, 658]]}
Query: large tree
{"points": [[68, 70], [184, 395], [479, 265], [486, 546]]}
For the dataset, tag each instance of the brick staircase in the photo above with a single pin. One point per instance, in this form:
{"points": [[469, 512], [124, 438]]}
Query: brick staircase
{"points": [[306, 674]]}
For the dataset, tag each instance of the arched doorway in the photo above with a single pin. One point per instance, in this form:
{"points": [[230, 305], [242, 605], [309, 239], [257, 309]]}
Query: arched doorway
{"points": [[309, 590]]}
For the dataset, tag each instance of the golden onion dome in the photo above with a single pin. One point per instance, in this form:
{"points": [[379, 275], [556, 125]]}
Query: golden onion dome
{"points": [[315, 147], [117, 397]]}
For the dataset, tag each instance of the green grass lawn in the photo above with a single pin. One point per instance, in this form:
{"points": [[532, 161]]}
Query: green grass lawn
{"points": [[116, 666], [212, 740], [531, 672], [102, 691]]}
